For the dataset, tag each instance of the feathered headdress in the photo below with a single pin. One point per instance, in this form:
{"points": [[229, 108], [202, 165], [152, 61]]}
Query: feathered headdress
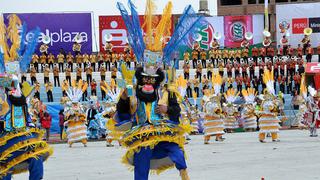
{"points": [[151, 50], [17, 57], [231, 96], [249, 95], [303, 87], [268, 79], [76, 90], [216, 83], [112, 94], [181, 83]]}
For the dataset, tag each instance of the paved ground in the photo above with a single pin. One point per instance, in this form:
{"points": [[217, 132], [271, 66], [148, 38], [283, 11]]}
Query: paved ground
{"points": [[240, 157]]}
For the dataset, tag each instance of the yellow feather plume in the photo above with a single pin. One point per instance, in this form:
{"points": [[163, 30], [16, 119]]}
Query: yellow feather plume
{"points": [[148, 22], [80, 83], [163, 27], [244, 92], [231, 92], [216, 79], [3, 39], [127, 75], [249, 91], [74, 83], [181, 82], [113, 84], [267, 76], [303, 87], [13, 35], [104, 87], [156, 30]]}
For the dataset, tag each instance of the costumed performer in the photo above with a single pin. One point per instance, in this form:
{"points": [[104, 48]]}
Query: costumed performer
{"points": [[268, 120], [248, 111], [213, 124], [94, 124], [112, 97], [302, 101], [21, 145], [230, 110], [313, 107], [154, 135], [75, 115]]}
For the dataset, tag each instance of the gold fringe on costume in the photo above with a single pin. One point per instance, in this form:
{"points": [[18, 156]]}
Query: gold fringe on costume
{"points": [[39, 148], [149, 137], [151, 140]]}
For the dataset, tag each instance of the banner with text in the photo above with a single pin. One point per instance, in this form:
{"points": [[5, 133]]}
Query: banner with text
{"points": [[115, 26], [61, 28], [294, 18]]}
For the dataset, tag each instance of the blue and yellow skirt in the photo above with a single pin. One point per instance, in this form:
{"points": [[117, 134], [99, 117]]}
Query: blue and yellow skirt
{"points": [[18, 146]]}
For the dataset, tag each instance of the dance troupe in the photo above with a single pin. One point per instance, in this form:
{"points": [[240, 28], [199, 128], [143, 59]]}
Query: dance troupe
{"points": [[146, 111]]}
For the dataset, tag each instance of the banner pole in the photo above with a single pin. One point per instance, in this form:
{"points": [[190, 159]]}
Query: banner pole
{"points": [[93, 24], [266, 15]]}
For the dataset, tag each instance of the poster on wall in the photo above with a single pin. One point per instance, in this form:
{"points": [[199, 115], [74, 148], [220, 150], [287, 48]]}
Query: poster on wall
{"points": [[214, 25], [294, 18], [235, 28], [115, 26], [232, 30], [62, 28]]}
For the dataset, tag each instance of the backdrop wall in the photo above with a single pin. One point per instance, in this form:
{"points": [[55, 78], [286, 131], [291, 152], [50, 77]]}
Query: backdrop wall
{"points": [[298, 17], [96, 7]]}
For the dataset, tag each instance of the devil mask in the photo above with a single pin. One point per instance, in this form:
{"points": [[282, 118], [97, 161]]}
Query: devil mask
{"points": [[148, 85]]}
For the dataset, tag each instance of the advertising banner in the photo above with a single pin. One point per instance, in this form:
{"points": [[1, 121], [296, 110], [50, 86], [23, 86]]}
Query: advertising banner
{"points": [[215, 24], [235, 28], [232, 29], [313, 68], [294, 18], [61, 28], [115, 26]]}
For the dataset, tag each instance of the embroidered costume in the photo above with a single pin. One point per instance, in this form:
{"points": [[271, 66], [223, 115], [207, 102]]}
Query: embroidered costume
{"points": [[268, 120], [230, 110], [75, 115], [213, 116], [150, 117], [21, 144], [248, 112]]}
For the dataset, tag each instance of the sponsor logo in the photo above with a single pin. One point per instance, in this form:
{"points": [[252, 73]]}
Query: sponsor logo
{"points": [[206, 33], [314, 24], [118, 34], [237, 31], [59, 37], [284, 26], [314, 68], [298, 25]]}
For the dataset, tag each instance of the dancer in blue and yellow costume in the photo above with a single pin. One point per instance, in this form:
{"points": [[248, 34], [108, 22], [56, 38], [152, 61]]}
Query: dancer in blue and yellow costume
{"points": [[149, 117], [21, 145]]}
